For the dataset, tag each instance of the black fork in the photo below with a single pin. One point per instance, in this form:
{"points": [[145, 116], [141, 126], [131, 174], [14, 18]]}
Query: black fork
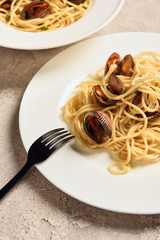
{"points": [[39, 151]]}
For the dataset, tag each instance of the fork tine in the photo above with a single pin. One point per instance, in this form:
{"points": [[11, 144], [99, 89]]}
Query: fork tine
{"points": [[60, 144], [53, 135], [44, 136], [50, 144]]}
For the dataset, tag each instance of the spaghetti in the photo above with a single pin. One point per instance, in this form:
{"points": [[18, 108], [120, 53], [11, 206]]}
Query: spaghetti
{"points": [[60, 14], [134, 116]]}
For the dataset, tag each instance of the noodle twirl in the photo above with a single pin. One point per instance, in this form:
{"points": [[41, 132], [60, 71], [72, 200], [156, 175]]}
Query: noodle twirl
{"points": [[132, 104]]}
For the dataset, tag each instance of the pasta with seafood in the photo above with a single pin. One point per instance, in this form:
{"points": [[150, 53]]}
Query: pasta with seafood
{"points": [[42, 15], [118, 109]]}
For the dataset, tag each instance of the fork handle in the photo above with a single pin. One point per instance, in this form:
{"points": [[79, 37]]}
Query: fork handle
{"points": [[15, 179]]}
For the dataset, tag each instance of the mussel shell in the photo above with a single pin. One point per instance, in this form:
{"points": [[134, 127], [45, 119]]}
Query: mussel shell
{"points": [[111, 89], [101, 98], [102, 125], [77, 2], [6, 5], [153, 115], [37, 9], [137, 99], [113, 59], [117, 84], [127, 65]]}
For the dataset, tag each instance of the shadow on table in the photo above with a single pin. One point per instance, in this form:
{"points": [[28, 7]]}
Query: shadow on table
{"points": [[79, 210]]}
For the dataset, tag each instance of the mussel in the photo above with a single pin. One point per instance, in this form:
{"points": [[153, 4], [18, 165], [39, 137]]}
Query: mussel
{"points": [[111, 89], [101, 98], [37, 9], [113, 59], [117, 84], [137, 99], [126, 66], [77, 2], [153, 115], [6, 5], [97, 124]]}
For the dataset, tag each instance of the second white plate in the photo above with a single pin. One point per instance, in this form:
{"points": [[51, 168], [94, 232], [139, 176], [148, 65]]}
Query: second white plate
{"points": [[100, 14]]}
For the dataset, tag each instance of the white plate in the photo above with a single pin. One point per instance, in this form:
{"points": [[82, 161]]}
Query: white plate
{"points": [[100, 14], [83, 175]]}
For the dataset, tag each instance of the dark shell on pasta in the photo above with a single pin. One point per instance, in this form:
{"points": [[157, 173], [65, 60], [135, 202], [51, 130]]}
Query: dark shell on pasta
{"points": [[38, 9], [137, 99], [126, 66], [153, 115], [77, 2], [6, 5], [113, 59], [97, 124], [101, 98], [117, 84]]}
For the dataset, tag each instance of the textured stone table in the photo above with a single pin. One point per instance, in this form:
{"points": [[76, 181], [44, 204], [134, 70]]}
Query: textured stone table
{"points": [[35, 209]]}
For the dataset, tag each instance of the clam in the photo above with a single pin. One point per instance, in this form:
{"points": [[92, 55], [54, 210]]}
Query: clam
{"points": [[6, 5], [117, 84], [113, 59], [97, 124], [110, 89], [126, 65], [153, 115], [137, 99], [77, 2], [101, 98], [35, 9]]}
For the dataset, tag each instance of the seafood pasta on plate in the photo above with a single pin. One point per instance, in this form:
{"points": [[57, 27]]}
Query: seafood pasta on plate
{"points": [[111, 104], [45, 15], [43, 24]]}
